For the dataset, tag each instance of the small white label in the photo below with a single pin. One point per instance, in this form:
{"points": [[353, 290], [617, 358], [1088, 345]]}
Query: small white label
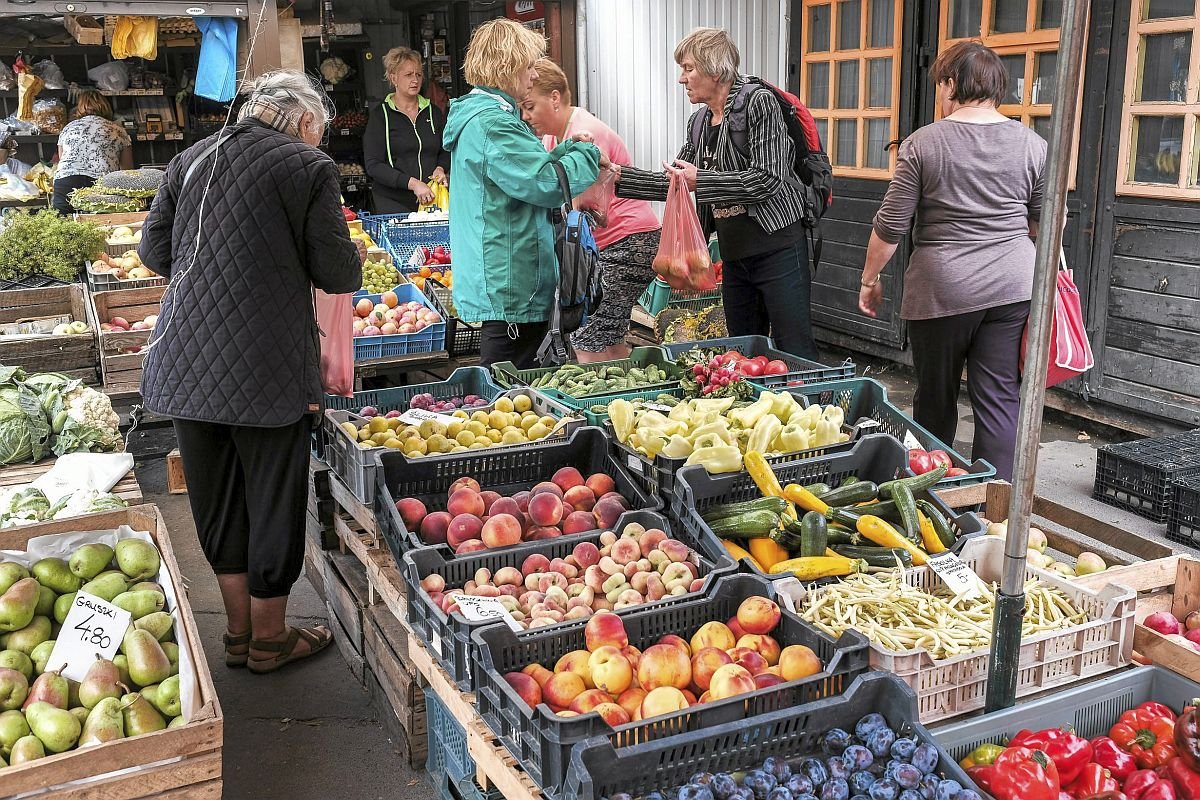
{"points": [[93, 628], [415, 416], [513, 735], [910, 441], [958, 577], [435, 642], [485, 609], [868, 423], [665, 409], [636, 463]]}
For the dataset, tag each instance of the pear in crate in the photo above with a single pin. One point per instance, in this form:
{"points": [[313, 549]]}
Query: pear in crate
{"points": [[55, 573], [12, 727], [140, 604], [50, 688], [41, 655], [105, 723], [56, 728], [103, 680], [159, 623], [107, 586], [18, 604], [90, 560], [14, 688], [26, 749], [148, 664], [29, 637], [15, 659], [140, 717], [138, 559], [10, 573], [45, 603]]}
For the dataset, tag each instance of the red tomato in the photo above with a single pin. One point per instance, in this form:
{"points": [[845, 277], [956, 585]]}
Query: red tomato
{"points": [[750, 368], [775, 367], [730, 356], [955, 472], [920, 462], [760, 360], [941, 457]]}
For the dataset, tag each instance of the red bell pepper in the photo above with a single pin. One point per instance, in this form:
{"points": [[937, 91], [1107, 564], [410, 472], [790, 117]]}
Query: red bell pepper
{"points": [[1070, 753], [1019, 774], [1109, 755], [1138, 782], [1147, 733], [1184, 778], [1094, 782], [348, 214], [1187, 736]]}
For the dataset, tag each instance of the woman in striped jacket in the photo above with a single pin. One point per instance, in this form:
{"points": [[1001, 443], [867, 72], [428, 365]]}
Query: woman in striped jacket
{"points": [[753, 200]]}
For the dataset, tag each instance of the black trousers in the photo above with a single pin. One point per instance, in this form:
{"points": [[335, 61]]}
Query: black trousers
{"points": [[515, 342], [989, 343], [769, 295], [248, 488], [62, 192]]}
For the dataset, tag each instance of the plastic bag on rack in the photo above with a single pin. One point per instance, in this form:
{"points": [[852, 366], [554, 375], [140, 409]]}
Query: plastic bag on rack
{"points": [[598, 197], [335, 320], [51, 73], [682, 260], [111, 76], [8, 81], [50, 115], [15, 188]]}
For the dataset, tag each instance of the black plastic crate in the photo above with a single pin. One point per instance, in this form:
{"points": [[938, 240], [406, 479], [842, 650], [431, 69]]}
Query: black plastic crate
{"points": [[600, 770], [501, 470], [542, 740], [1183, 524], [1137, 476], [462, 338], [800, 371], [34, 280], [449, 636], [876, 457]]}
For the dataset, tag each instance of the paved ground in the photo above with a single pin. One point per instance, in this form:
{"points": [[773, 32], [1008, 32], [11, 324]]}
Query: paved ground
{"points": [[308, 732]]}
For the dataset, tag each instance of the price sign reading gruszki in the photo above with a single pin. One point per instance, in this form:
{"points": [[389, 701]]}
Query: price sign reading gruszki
{"points": [[93, 627]]}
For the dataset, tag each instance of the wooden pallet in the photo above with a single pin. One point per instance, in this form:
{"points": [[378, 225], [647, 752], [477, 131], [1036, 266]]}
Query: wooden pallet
{"points": [[176, 480], [74, 356], [19, 474]]}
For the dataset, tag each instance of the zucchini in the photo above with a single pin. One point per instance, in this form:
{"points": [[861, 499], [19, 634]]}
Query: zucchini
{"points": [[813, 534], [751, 525], [915, 483], [941, 525], [776, 505], [857, 492], [876, 556], [844, 516], [818, 488], [883, 508], [907, 507], [791, 536]]}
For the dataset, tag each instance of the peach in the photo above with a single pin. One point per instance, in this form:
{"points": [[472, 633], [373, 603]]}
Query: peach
{"points": [[501, 530], [588, 701], [433, 527], [470, 483], [631, 700], [506, 505], [663, 700], [690, 695], [758, 614], [526, 687], [546, 486], [600, 484], [664, 665], [704, 698], [576, 661], [607, 511], [605, 629], [713, 634], [566, 713], [607, 539], [462, 528], [675, 550], [705, 662], [538, 673], [579, 498], [535, 563], [466, 501], [736, 627], [749, 659], [797, 661], [613, 714], [633, 656], [411, 511], [764, 679], [730, 681], [541, 534], [522, 500], [433, 583], [765, 646], [489, 499], [578, 522], [508, 576], [650, 539], [567, 478], [545, 509], [562, 688], [616, 497], [586, 554], [626, 551], [610, 670], [470, 546], [677, 641]]}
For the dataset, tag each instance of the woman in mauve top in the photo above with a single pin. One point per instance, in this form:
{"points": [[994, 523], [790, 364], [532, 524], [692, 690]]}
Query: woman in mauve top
{"points": [[973, 182]]}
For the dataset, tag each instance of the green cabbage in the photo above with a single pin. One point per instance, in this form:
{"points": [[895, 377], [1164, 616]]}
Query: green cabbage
{"points": [[29, 504], [16, 437]]}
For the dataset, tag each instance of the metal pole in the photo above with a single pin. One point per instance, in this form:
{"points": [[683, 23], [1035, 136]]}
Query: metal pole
{"points": [[1010, 600]]}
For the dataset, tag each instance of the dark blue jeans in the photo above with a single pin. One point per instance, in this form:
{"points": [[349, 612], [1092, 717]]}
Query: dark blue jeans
{"points": [[769, 295]]}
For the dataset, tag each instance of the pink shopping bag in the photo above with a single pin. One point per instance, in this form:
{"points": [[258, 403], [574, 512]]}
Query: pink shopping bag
{"points": [[335, 321], [1070, 351]]}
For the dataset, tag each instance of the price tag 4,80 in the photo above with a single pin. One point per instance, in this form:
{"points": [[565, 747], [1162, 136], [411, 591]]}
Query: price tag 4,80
{"points": [[93, 628], [954, 572], [485, 609]]}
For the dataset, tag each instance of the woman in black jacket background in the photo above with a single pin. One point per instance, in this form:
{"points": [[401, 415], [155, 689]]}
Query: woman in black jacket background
{"points": [[402, 145]]}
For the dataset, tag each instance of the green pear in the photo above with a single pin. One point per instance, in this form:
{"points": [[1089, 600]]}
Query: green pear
{"points": [[121, 662], [140, 716], [41, 655], [178, 722], [15, 659], [18, 604], [105, 723], [57, 728], [159, 623], [62, 607], [55, 573], [106, 586], [45, 604], [147, 586], [12, 727], [80, 713], [172, 651], [138, 559], [72, 694], [148, 664], [90, 560], [102, 680], [50, 688], [10, 573], [29, 637], [140, 604], [14, 688], [167, 699], [26, 749]]}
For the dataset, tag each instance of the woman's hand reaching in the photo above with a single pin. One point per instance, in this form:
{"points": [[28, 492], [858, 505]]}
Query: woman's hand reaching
{"points": [[869, 298], [423, 193], [439, 175]]}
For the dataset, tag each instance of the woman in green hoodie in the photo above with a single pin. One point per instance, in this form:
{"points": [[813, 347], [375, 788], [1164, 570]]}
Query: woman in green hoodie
{"points": [[505, 184]]}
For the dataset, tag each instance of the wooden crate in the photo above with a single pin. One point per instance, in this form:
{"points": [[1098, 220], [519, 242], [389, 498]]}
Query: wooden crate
{"points": [[183, 762], [176, 480], [20, 474], [122, 370], [73, 355], [402, 704], [320, 504], [85, 29]]}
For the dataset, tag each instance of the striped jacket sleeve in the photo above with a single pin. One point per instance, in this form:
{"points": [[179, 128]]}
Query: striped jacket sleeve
{"points": [[770, 158], [642, 184]]}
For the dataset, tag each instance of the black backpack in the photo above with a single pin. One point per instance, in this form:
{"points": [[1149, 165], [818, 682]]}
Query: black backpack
{"points": [[811, 165]]}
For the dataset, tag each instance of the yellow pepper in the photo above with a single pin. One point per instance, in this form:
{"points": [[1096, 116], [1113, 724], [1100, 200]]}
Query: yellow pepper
{"points": [[764, 434], [749, 416], [677, 447], [707, 405], [621, 414], [720, 429], [826, 433], [835, 414], [784, 405], [715, 456], [792, 439]]}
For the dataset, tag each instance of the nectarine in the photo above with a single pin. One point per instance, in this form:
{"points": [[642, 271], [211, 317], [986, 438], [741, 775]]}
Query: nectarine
{"points": [[664, 665], [610, 670], [758, 614]]}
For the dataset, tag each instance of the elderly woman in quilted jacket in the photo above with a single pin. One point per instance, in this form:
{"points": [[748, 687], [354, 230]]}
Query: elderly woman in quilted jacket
{"points": [[249, 221]]}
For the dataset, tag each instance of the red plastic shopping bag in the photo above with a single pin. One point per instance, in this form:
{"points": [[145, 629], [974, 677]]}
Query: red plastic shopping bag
{"points": [[1070, 351], [335, 320], [682, 260], [599, 196]]}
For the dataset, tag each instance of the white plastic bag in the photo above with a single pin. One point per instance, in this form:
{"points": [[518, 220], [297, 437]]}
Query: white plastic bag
{"points": [[111, 76], [8, 81], [50, 73]]}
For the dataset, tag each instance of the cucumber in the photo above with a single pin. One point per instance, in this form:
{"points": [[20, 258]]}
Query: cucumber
{"points": [[941, 525], [915, 483], [875, 556], [907, 507], [813, 534], [776, 505], [750, 525], [857, 492]]}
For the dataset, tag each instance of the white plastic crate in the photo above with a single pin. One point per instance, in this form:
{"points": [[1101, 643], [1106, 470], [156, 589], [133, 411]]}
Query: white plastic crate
{"points": [[951, 687]]}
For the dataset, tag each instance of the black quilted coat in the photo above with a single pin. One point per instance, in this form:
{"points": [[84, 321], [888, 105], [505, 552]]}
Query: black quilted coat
{"points": [[237, 340]]}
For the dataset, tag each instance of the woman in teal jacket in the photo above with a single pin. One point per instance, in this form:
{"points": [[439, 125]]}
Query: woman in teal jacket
{"points": [[505, 183]]}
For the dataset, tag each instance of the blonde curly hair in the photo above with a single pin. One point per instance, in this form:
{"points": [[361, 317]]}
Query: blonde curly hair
{"points": [[499, 51]]}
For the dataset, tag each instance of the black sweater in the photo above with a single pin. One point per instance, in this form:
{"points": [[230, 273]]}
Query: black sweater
{"points": [[415, 152]]}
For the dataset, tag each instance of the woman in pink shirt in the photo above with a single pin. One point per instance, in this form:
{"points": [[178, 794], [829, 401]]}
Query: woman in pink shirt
{"points": [[628, 241]]}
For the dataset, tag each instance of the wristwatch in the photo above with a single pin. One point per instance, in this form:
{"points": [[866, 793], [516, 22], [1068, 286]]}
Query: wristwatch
{"points": [[870, 285]]}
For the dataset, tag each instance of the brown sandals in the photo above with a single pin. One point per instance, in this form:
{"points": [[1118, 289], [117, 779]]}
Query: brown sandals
{"points": [[237, 648], [318, 638]]}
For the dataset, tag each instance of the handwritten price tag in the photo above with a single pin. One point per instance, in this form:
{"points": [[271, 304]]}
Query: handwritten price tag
{"points": [[958, 577], [415, 416], [93, 627], [485, 609], [911, 441]]}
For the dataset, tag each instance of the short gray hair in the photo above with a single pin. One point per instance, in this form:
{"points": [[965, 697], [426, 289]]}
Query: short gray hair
{"points": [[713, 52], [294, 92]]}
